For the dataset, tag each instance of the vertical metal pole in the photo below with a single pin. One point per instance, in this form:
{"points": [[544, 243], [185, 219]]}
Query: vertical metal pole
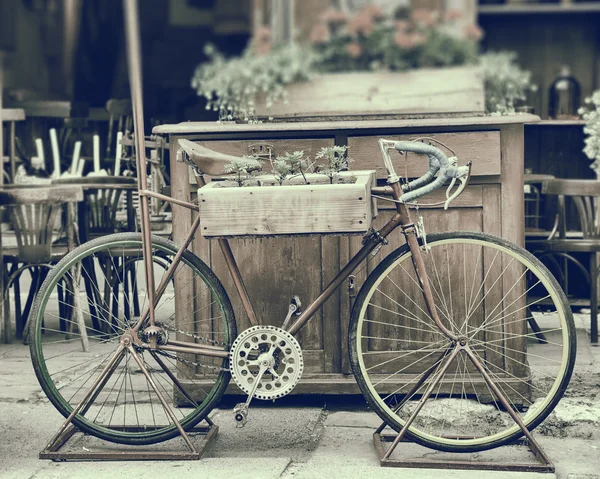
{"points": [[134, 61], [3, 312]]}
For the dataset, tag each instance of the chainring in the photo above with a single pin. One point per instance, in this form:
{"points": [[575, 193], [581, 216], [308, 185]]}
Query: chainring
{"points": [[286, 364]]}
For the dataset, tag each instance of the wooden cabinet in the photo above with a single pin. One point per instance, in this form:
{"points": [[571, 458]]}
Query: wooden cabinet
{"points": [[275, 269]]}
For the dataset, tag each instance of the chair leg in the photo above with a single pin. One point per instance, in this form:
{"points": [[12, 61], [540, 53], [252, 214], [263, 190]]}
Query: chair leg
{"points": [[134, 290], [41, 271], [91, 285], [536, 328], [5, 306], [593, 299]]}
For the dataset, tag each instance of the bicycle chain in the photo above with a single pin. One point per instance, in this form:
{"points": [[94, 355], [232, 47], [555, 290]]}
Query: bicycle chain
{"points": [[195, 336], [189, 362]]}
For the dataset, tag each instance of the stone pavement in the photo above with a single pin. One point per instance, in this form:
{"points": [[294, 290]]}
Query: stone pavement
{"points": [[296, 438]]}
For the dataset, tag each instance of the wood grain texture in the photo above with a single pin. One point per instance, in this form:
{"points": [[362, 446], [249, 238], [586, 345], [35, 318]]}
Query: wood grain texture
{"points": [[276, 268], [481, 147], [511, 180], [424, 90], [267, 149], [252, 131], [12, 114], [275, 210]]}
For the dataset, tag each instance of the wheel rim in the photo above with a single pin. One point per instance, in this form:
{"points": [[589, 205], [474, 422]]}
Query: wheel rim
{"points": [[191, 310], [460, 405]]}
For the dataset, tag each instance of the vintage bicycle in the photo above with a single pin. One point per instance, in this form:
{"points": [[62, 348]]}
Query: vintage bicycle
{"points": [[477, 329]]}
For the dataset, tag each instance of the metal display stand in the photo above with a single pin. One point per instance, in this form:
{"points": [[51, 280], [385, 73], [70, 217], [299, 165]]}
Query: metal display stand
{"points": [[380, 439], [54, 451]]}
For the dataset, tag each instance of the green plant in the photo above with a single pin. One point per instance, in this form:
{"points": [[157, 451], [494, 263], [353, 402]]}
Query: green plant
{"points": [[291, 164], [370, 40], [281, 170], [590, 112], [336, 160], [231, 86], [505, 82], [367, 41], [243, 168]]}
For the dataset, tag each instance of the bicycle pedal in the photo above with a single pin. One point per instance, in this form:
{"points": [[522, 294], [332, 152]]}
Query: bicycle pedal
{"points": [[240, 414]]}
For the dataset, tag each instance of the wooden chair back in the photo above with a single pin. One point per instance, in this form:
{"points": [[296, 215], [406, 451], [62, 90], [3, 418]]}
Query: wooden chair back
{"points": [[33, 213], [120, 119], [102, 205], [585, 195]]}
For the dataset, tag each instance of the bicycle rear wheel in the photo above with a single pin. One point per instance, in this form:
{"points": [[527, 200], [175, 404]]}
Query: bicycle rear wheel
{"points": [[83, 309], [507, 307]]}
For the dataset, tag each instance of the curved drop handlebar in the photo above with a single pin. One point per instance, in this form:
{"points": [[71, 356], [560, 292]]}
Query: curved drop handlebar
{"points": [[438, 162]]}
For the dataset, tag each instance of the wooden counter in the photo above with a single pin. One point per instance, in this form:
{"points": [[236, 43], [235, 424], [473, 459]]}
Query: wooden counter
{"points": [[274, 269]]}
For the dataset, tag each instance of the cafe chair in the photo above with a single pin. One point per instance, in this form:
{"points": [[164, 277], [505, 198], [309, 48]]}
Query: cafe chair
{"points": [[581, 198], [33, 212]]}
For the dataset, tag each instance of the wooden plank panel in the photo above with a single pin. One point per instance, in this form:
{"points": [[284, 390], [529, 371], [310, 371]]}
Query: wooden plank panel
{"points": [[275, 269], [511, 179], [332, 338], [459, 89], [273, 210], [481, 147], [269, 149]]}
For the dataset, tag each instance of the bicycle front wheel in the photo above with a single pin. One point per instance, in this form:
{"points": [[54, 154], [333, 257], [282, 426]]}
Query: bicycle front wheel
{"points": [[503, 304], [90, 300]]}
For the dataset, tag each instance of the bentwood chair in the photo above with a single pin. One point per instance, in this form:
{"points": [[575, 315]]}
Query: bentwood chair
{"points": [[582, 197], [34, 211]]}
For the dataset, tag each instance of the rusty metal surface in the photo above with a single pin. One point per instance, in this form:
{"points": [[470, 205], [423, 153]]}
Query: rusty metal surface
{"points": [[379, 440], [207, 433]]}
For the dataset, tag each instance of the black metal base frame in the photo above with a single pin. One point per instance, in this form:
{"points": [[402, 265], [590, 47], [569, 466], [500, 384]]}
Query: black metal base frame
{"points": [[543, 464], [141, 453]]}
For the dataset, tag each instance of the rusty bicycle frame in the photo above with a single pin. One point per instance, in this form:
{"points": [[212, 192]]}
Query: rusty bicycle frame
{"points": [[401, 219]]}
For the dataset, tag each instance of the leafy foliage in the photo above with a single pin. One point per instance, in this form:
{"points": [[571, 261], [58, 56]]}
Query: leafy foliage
{"points": [[505, 82], [590, 112], [372, 41], [231, 86], [243, 168], [367, 41], [335, 161]]}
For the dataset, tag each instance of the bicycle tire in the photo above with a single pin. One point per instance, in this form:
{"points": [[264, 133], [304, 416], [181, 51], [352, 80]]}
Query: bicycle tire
{"points": [[112, 268], [467, 418]]}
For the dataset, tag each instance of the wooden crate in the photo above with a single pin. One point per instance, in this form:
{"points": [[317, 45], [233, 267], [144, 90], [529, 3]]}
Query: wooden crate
{"points": [[422, 91], [270, 209]]}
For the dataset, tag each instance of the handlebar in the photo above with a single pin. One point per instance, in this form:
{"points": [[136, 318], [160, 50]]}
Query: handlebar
{"points": [[438, 162]]}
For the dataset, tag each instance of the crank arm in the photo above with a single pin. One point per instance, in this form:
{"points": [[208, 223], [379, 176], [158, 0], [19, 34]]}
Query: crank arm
{"points": [[240, 411]]}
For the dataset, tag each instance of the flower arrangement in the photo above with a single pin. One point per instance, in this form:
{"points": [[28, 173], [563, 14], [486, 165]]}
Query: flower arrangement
{"points": [[334, 160], [591, 114], [366, 41], [372, 41], [505, 82]]}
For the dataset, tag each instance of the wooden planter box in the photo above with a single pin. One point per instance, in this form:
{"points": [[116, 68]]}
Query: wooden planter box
{"points": [[296, 208], [423, 91]]}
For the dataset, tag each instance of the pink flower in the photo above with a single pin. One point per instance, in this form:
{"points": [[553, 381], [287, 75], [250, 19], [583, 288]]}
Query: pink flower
{"points": [[402, 25], [262, 48], [262, 34], [473, 32], [334, 16], [261, 41], [374, 11], [407, 41], [361, 24], [354, 49], [425, 17], [319, 34], [418, 39], [451, 15], [403, 40]]}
